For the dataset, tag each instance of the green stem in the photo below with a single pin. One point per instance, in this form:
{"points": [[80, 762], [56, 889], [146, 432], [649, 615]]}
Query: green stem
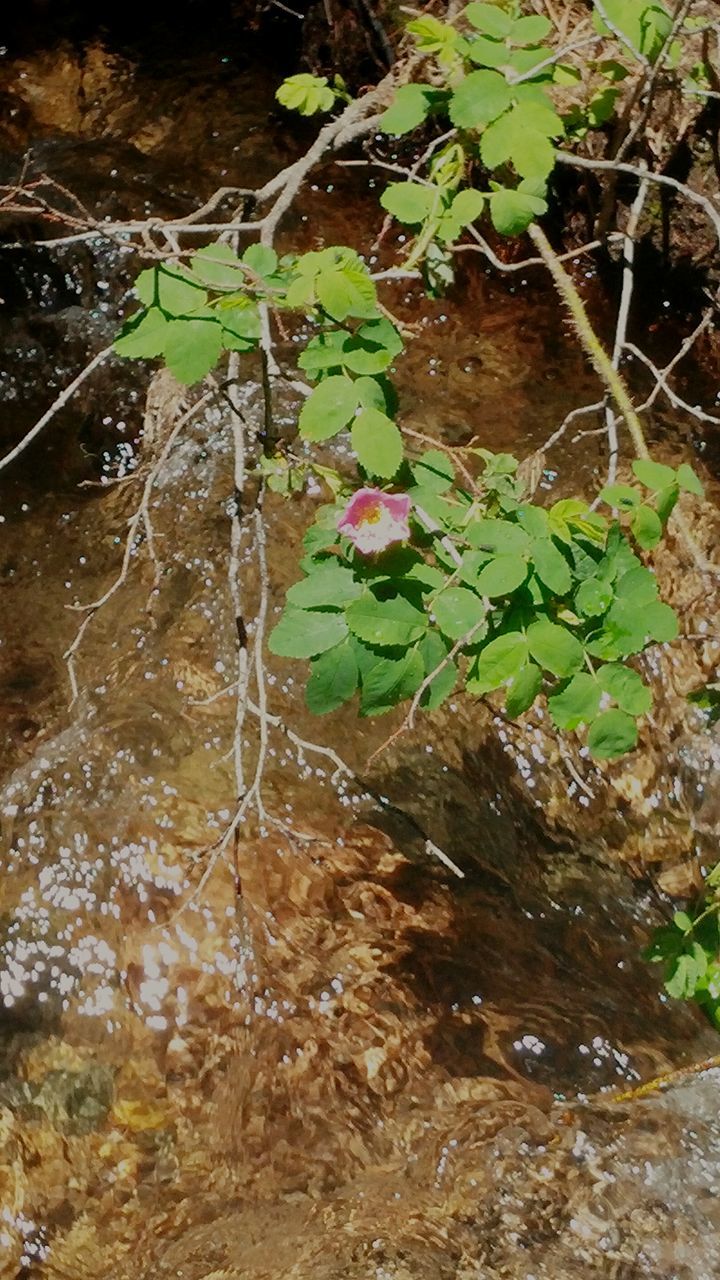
{"points": [[593, 347]]}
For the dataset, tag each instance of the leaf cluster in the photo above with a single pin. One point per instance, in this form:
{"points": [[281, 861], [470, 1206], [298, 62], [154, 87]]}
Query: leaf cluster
{"points": [[689, 951]]}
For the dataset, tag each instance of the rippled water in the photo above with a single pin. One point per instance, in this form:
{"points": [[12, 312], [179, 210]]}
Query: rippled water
{"points": [[368, 1067]]}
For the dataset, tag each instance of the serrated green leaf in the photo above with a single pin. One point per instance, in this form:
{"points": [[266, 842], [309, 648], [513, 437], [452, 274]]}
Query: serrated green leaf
{"points": [[523, 689], [457, 611], [502, 537], [434, 470], [377, 443], [143, 335], [303, 633], [218, 267], [389, 681], [551, 566], [261, 259], [501, 576], [611, 735], [372, 393], [410, 107], [175, 291], [434, 650], [646, 526], [593, 597], [481, 97], [433, 36], [410, 202], [638, 586], [689, 482], [326, 351], [333, 679], [464, 209], [241, 327], [306, 94], [622, 496], [626, 688], [515, 137], [346, 289], [486, 52], [555, 648], [331, 407], [499, 661], [530, 30], [512, 212], [666, 500], [578, 703], [645, 25], [329, 586], [192, 348], [490, 19], [386, 623], [654, 475]]}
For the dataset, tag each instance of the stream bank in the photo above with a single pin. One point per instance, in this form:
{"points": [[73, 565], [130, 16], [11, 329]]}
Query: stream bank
{"points": [[406, 1076]]}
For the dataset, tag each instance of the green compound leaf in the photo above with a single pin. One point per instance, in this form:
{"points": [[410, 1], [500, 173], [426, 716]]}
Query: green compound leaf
{"points": [[611, 735], [480, 98], [555, 648], [330, 408], [626, 688], [304, 634], [329, 586], [433, 36], [551, 566], [410, 202], [434, 650], [333, 679], [522, 135], [410, 107], [457, 611], [143, 335], [593, 597], [647, 527], [192, 348], [689, 481], [502, 576], [386, 623], [654, 475], [306, 93], [512, 212], [218, 267], [523, 689], [490, 19], [578, 703], [499, 661], [434, 470], [377, 443], [261, 259]]}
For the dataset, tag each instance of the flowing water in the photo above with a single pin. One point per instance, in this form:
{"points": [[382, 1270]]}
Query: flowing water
{"points": [[374, 1069]]}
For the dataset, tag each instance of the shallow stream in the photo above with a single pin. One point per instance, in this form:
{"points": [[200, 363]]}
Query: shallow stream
{"points": [[377, 1070]]}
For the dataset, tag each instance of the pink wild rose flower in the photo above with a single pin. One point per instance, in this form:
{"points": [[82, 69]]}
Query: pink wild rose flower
{"points": [[373, 520]]}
